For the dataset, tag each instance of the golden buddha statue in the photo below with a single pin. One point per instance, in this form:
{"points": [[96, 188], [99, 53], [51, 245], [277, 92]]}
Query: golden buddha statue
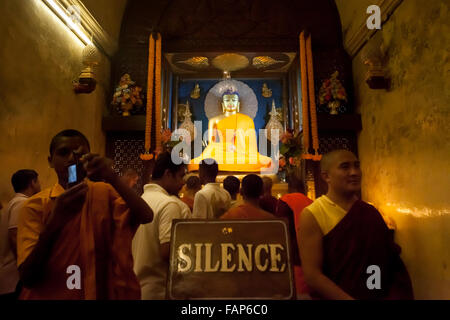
{"points": [[232, 139]]}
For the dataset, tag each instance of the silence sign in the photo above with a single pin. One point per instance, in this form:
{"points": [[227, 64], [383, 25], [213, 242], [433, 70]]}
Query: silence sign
{"points": [[230, 259]]}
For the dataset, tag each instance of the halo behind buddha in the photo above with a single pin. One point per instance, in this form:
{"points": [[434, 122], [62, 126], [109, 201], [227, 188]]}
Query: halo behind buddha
{"points": [[247, 98]]}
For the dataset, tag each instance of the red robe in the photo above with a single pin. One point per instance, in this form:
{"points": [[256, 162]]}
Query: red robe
{"points": [[290, 206], [359, 240]]}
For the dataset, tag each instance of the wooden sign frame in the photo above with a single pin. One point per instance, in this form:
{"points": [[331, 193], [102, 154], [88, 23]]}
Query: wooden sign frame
{"points": [[221, 259]]}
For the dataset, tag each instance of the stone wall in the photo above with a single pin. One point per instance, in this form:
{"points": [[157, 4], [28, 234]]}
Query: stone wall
{"points": [[40, 59], [405, 142]]}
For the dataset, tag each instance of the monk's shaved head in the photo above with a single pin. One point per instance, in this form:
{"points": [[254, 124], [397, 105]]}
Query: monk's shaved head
{"points": [[331, 157], [341, 171]]}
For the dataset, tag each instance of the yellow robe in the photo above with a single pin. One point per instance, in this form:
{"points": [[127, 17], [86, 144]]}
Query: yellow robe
{"points": [[234, 146]]}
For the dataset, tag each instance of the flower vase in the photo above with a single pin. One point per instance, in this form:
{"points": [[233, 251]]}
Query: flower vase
{"points": [[334, 106], [126, 107]]}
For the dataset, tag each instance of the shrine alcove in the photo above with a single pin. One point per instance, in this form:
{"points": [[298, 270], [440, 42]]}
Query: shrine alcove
{"points": [[248, 28]]}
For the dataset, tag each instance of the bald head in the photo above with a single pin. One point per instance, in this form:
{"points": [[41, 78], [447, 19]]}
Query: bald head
{"points": [[340, 169], [331, 158]]}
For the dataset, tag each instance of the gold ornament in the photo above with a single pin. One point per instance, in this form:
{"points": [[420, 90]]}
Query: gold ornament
{"points": [[195, 93], [266, 92]]}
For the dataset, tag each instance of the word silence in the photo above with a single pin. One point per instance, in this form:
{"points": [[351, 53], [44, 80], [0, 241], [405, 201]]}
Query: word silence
{"points": [[230, 259]]}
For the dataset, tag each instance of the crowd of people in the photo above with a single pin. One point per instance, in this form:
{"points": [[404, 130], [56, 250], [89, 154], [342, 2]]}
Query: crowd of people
{"points": [[120, 241]]}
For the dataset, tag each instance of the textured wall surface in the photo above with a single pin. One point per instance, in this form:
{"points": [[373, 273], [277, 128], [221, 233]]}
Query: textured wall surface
{"points": [[40, 59], [405, 142], [108, 14], [352, 14]]}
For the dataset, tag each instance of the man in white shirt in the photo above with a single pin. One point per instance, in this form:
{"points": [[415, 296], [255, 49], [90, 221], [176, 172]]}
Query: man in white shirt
{"points": [[212, 201], [185, 211], [25, 183], [151, 244]]}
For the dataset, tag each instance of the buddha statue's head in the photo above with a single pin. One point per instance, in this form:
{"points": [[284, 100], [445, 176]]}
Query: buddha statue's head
{"points": [[230, 102]]}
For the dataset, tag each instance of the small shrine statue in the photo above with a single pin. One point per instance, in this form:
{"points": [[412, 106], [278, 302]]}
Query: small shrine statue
{"points": [[188, 125], [195, 93], [274, 124], [127, 95], [266, 92]]}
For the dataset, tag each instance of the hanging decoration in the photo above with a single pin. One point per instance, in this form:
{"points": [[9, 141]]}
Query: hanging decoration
{"points": [[306, 154], [312, 101], [153, 82], [158, 126], [308, 100]]}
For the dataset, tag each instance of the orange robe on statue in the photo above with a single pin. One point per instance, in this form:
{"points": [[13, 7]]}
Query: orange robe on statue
{"points": [[234, 146], [98, 240]]}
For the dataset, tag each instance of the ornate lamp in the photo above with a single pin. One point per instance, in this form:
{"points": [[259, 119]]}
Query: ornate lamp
{"points": [[86, 82]]}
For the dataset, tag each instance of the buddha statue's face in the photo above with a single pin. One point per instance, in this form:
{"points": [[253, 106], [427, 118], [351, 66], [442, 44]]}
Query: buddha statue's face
{"points": [[230, 103]]}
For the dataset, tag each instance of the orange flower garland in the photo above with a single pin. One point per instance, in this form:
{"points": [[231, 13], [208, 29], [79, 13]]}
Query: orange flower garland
{"points": [[312, 101], [158, 95], [148, 120], [306, 154]]}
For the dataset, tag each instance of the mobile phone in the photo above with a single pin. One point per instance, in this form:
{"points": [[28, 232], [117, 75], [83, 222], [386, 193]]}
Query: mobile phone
{"points": [[75, 174]]}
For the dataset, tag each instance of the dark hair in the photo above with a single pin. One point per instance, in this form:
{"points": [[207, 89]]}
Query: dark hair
{"points": [[130, 172], [209, 167], [231, 184], [252, 186], [193, 183], [22, 179], [267, 184], [230, 91], [164, 162], [295, 183], [67, 133]]}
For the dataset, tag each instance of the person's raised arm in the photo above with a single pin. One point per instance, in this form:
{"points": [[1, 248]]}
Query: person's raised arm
{"points": [[311, 253], [38, 238], [98, 168]]}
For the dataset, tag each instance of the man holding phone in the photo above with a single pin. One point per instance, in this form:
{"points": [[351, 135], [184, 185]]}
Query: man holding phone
{"points": [[74, 239]]}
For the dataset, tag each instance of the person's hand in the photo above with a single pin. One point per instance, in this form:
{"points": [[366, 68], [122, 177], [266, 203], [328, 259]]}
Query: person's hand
{"points": [[67, 205], [98, 168]]}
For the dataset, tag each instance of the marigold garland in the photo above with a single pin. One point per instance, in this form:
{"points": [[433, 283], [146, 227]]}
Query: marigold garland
{"points": [[312, 101], [304, 82], [158, 126], [148, 120]]}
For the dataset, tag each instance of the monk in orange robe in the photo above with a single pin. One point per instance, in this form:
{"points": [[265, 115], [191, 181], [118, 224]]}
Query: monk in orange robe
{"points": [[290, 206], [75, 242], [251, 190]]}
